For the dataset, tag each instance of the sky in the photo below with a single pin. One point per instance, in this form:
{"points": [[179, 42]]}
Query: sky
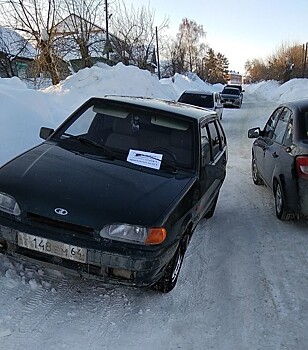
{"points": [[242, 285], [242, 29]]}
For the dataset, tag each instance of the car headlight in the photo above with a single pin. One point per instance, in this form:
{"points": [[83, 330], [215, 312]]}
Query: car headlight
{"points": [[9, 205], [134, 234]]}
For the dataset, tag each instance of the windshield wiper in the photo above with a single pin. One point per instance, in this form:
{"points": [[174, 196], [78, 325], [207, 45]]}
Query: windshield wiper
{"points": [[107, 152]]}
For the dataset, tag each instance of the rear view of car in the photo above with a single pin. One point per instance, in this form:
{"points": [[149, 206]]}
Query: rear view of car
{"points": [[280, 158], [204, 99]]}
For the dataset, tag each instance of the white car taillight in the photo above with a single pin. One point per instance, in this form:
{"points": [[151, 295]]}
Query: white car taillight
{"points": [[302, 167]]}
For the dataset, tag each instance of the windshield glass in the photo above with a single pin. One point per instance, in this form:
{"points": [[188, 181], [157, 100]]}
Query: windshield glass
{"points": [[231, 91], [142, 137]]}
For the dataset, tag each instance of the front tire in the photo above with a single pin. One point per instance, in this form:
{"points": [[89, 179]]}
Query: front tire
{"points": [[170, 277], [255, 172]]}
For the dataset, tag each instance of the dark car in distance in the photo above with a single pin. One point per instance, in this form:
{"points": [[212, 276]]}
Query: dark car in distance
{"points": [[280, 158], [116, 191], [231, 97], [236, 86], [205, 99]]}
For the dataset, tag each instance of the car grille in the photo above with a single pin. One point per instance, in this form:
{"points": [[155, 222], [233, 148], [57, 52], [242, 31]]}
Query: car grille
{"points": [[42, 221]]}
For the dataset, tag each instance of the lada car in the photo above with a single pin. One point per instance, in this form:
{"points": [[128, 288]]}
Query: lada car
{"points": [[205, 99], [280, 158], [116, 191]]}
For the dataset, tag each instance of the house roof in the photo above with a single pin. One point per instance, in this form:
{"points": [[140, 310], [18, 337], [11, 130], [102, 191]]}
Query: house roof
{"points": [[73, 24], [13, 44]]}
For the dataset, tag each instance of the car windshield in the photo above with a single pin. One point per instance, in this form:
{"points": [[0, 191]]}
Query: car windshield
{"points": [[231, 91], [145, 138], [198, 100]]}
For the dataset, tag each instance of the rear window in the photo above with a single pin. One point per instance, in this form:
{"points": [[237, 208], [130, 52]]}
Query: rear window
{"points": [[205, 101]]}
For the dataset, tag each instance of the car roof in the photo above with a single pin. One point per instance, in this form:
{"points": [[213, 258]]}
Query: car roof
{"points": [[301, 104], [198, 92], [230, 88], [185, 110]]}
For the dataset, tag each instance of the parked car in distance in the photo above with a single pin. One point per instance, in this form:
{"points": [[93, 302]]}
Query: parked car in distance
{"points": [[116, 191], [205, 99], [231, 97], [280, 158]]}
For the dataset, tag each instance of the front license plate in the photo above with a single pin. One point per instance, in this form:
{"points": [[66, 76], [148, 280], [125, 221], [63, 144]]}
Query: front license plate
{"points": [[51, 247]]}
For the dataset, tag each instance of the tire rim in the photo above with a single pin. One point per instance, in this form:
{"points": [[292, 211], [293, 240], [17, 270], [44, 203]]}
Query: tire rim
{"points": [[278, 197]]}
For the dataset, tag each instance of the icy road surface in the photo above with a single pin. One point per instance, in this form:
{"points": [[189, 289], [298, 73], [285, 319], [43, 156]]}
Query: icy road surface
{"points": [[243, 285]]}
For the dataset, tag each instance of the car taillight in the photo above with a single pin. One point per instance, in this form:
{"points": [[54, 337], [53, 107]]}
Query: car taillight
{"points": [[302, 167]]}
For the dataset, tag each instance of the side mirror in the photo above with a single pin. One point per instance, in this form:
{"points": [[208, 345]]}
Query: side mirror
{"points": [[45, 133], [254, 133]]}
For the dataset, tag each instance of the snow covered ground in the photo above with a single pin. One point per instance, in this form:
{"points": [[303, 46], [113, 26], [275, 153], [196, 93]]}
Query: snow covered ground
{"points": [[244, 280]]}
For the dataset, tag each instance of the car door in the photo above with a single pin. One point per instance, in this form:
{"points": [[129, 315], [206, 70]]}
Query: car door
{"points": [[213, 162], [265, 141], [275, 151]]}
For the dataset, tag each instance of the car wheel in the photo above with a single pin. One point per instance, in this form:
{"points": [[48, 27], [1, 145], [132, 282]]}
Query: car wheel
{"points": [[170, 277], [211, 211], [281, 212], [255, 173]]}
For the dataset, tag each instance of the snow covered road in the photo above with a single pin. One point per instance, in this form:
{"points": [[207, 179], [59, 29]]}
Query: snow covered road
{"points": [[243, 284]]}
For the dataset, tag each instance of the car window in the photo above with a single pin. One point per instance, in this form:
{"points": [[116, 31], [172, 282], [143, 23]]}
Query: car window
{"points": [[121, 130], [231, 91], [281, 125], [199, 100], [271, 123], [222, 135], [305, 131], [214, 138], [205, 145], [288, 137]]}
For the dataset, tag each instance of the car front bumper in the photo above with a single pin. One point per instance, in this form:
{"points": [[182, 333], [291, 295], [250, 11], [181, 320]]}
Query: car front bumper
{"points": [[138, 267]]}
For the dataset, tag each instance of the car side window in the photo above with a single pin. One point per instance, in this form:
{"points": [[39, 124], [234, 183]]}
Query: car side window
{"points": [[271, 123], [214, 138], [222, 136], [205, 145], [281, 125], [288, 137]]}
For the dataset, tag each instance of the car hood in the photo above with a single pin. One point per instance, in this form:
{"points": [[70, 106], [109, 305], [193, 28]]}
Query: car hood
{"points": [[94, 192]]}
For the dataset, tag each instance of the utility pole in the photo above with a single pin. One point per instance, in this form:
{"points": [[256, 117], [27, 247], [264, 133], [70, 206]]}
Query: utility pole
{"points": [[107, 31], [157, 52], [305, 48]]}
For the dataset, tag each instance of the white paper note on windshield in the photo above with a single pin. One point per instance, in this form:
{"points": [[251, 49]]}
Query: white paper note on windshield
{"points": [[147, 159]]}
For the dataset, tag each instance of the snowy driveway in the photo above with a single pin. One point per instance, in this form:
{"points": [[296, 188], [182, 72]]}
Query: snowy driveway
{"points": [[243, 285]]}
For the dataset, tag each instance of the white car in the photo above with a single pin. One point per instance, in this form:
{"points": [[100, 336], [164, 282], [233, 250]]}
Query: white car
{"points": [[206, 99]]}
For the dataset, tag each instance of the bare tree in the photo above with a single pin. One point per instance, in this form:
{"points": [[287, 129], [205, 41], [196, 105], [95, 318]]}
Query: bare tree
{"points": [[80, 33], [285, 63], [34, 19], [137, 32]]}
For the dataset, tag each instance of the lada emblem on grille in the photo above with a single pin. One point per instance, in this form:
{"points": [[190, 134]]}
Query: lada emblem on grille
{"points": [[61, 211]]}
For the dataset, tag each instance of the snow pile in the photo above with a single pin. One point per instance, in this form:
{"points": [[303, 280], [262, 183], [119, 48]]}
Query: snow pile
{"points": [[271, 90]]}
